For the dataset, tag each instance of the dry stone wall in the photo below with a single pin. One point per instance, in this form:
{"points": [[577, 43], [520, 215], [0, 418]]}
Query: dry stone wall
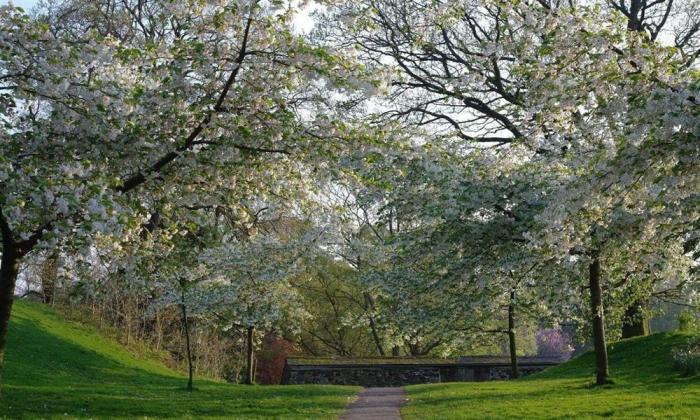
{"points": [[396, 374]]}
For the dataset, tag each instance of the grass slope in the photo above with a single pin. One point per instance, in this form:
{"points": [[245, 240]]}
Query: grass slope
{"points": [[57, 369], [645, 386]]}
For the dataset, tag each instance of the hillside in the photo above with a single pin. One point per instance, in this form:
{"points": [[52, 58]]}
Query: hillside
{"points": [[645, 385], [59, 369]]}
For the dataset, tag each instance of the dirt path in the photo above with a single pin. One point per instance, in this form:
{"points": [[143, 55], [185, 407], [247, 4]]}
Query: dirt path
{"points": [[376, 404]]}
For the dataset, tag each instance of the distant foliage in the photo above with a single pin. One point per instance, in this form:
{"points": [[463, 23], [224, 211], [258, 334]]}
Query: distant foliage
{"points": [[687, 359], [553, 342]]}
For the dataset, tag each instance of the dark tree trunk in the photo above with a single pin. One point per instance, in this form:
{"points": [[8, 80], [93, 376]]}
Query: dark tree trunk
{"points": [[396, 351], [369, 303], [599, 345], [49, 272], [250, 365], [375, 336], [8, 279], [636, 323], [185, 323], [514, 373], [418, 349], [634, 21]]}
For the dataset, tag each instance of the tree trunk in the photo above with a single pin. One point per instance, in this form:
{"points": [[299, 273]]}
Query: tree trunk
{"points": [[369, 302], [49, 272], [250, 374], [599, 345], [187, 340], [514, 373], [375, 336], [396, 351], [8, 279], [634, 23], [636, 323]]}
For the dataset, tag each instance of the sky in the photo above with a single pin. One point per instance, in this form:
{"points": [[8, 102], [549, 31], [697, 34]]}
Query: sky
{"points": [[26, 4], [303, 22]]}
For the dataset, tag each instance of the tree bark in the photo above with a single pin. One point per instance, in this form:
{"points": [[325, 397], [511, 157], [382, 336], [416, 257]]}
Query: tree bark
{"points": [[514, 373], [599, 344], [49, 272], [187, 339], [369, 302], [8, 279], [250, 374], [636, 323]]}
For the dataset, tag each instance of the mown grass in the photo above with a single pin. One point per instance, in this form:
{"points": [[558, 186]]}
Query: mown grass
{"points": [[59, 369], [645, 386]]}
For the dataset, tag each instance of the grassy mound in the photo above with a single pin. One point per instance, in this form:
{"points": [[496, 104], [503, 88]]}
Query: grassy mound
{"points": [[59, 369], [646, 385]]}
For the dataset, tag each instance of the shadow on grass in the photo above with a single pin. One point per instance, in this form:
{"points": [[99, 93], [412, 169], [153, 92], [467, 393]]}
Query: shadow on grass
{"points": [[553, 399], [645, 386], [58, 370]]}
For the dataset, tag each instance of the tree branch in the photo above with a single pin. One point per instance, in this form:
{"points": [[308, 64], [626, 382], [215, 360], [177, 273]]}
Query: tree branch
{"points": [[140, 177]]}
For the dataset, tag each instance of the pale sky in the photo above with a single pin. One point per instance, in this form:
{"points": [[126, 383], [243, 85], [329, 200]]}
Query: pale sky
{"points": [[26, 4], [303, 22]]}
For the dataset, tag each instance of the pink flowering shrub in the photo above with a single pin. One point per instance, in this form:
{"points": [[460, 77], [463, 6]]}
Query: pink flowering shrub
{"points": [[553, 342]]}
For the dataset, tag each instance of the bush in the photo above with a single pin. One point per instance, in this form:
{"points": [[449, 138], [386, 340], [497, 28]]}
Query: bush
{"points": [[687, 359], [688, 321], [553, 342], [271, 359]]}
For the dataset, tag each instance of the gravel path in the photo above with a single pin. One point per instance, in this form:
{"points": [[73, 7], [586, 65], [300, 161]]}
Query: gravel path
{"points": [[376, 404]]}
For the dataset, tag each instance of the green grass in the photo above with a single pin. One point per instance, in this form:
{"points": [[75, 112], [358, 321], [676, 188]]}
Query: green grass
{"points": [[645, 386], [59, 369]]}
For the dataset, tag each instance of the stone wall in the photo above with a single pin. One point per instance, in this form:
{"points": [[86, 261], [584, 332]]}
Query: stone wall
{"points": [[390, 375], [398, 374]]}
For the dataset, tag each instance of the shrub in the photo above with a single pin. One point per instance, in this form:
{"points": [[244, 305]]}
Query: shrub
{"points": [[687, 358], [553, 342], [271, 359], [688, 321]]}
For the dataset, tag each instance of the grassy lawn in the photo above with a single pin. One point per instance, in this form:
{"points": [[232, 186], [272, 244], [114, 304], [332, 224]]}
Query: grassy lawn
{"points": [[645, 386], [57, 369]]}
